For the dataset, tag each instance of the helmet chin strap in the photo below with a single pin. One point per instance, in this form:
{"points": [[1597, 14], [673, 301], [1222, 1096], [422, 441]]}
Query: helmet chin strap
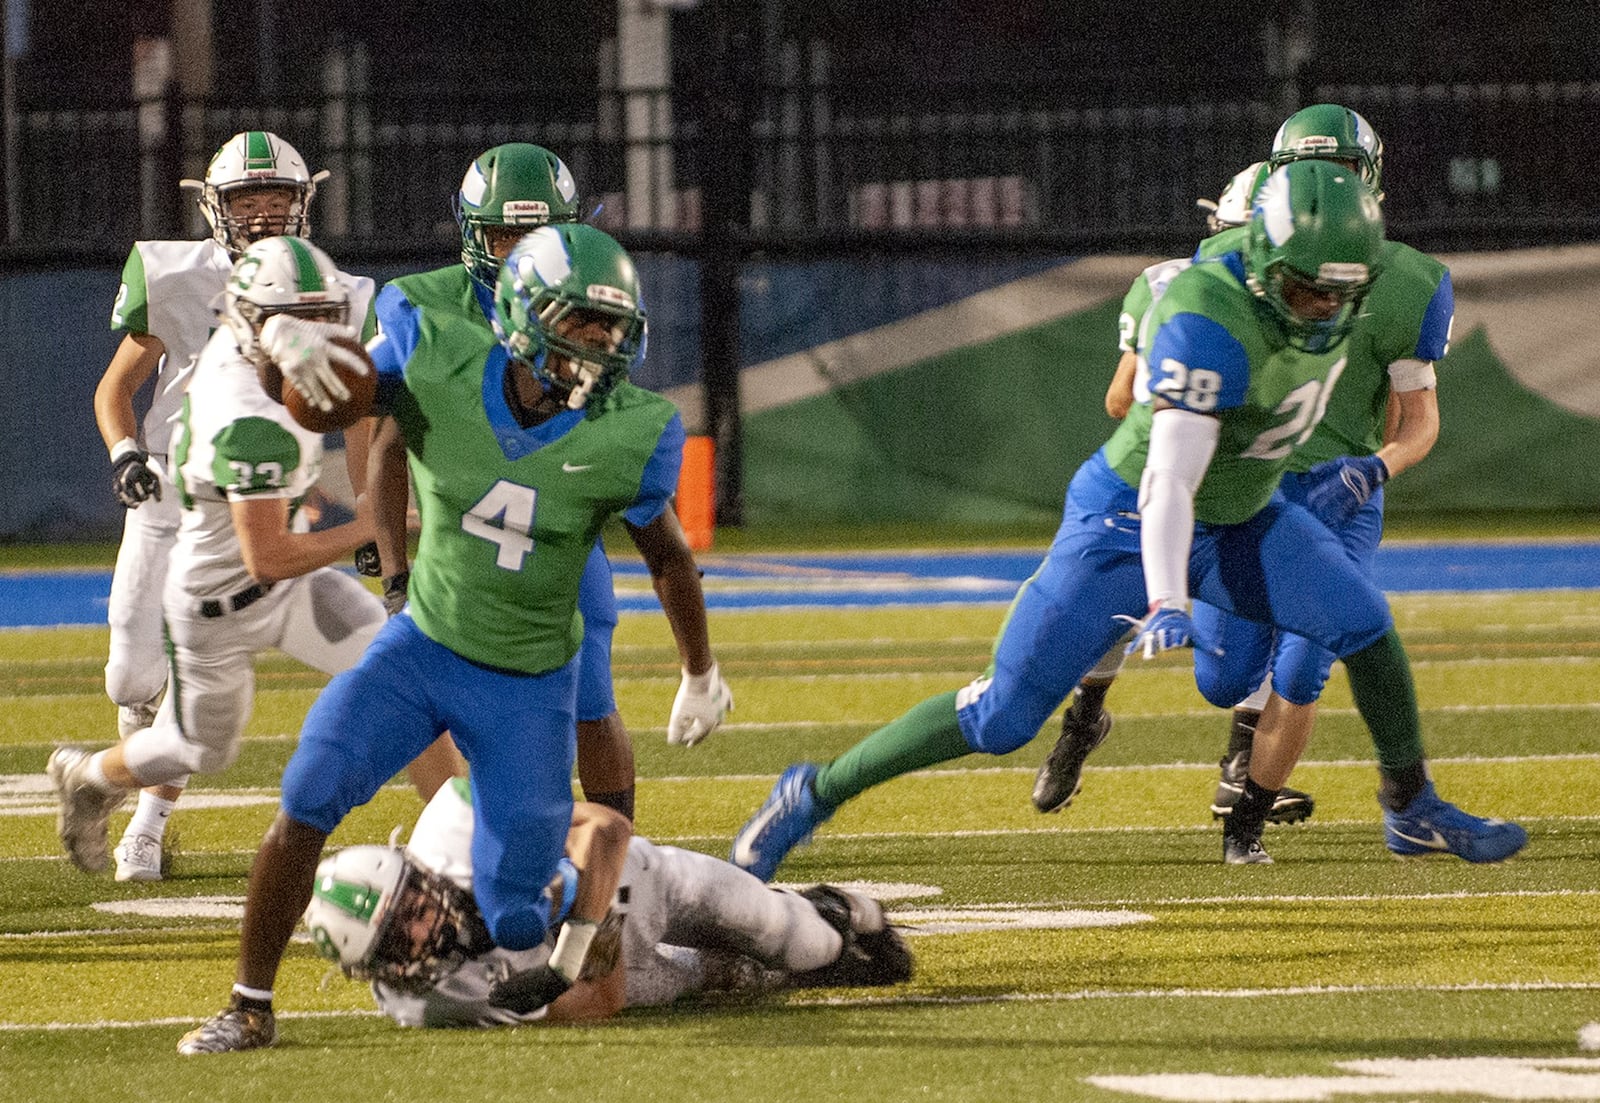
{"points": [[588, 376]]}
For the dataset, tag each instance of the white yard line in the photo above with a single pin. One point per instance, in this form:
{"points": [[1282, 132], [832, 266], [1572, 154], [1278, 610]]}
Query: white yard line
{"points": [[919, 1000]]}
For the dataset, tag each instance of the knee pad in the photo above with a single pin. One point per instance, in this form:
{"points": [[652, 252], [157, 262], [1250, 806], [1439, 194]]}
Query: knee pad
{"points": [[1300, 670]]}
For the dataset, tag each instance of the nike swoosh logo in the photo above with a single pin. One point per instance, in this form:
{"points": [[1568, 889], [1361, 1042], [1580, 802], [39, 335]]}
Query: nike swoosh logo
{"points": [[1435, 843], [745, 855], [571, 467]]}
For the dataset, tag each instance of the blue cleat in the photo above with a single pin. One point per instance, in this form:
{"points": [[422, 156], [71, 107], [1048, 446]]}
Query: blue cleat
{"points": [[787, 819], [1429, 825]]}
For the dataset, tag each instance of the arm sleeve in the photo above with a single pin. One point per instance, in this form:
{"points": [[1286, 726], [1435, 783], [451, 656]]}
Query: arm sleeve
{"points": [[1181, 447], [660, 481], [1434, 339], [398, 322]]}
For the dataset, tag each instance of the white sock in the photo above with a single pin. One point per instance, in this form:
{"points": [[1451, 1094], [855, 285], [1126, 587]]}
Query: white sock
{"points": [[94, 772], [150, 817]]}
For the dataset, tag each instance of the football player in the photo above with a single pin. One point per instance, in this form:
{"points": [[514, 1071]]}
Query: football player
{"points": [[245, 573], [1382, 419], [1243, 350], [680, 923], [506, 192], [255, 186], [537, 410]]}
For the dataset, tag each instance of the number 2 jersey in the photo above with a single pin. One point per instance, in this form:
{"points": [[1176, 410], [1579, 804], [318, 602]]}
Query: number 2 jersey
{"points": [[167, 289], [1406, 317], [509, 515], [1208, 346]]}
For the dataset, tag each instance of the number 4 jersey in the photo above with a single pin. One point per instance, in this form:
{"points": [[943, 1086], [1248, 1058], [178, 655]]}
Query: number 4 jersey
{"points": [[509, 515], [1209, 347]]}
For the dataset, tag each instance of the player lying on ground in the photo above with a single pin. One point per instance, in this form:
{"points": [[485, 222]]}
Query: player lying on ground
{"points": [[681, 923]]}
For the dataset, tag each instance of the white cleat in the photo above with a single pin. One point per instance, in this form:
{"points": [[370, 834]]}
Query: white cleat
{"points": [[84, 819], [138, 858]]}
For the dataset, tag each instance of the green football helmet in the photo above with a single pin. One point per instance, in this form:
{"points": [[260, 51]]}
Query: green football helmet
{"points": [[1315, 237], [517, 184], [550, 274], [1333, 133]]}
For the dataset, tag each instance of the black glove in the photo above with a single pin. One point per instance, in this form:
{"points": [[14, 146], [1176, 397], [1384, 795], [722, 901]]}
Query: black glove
{"points": [[394, 592], [132, 481], [367, 561], [528, 991]]}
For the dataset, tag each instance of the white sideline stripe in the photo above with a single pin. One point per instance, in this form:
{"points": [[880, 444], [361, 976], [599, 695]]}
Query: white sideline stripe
{"points": [[915, 1000], [721, 841], [229, 926], [180, 1020], [912, 999]]}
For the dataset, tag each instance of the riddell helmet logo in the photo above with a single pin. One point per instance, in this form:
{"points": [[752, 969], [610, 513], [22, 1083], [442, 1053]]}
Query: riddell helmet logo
{"points": [[520, 211], [602, 293], [1316, 143]]}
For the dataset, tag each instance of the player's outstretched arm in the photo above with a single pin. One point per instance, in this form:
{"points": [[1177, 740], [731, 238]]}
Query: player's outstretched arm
{"points": [[703, 696], [272, 552]]}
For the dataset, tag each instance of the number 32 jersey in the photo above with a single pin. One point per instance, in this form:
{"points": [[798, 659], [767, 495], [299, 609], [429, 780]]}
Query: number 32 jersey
{"points": [[1209, 347]]}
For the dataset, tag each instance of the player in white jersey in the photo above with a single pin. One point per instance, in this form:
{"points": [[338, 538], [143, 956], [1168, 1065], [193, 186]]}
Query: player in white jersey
{"points": [[681, 923], [256, 186], [245, 573]]}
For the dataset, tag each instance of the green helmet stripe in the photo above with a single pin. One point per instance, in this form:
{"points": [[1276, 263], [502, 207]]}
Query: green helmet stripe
{"points": [[258, 151], [308, 277], [356, 900]]}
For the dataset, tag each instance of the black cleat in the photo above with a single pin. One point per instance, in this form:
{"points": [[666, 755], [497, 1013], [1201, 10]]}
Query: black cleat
{"points": [[1244, 851], [1061, 776], [1292, 805]]}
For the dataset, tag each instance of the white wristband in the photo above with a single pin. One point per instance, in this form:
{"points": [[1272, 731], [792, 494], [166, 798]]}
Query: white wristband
{"points": [[123, 447], [701, 683], [572, 945]]}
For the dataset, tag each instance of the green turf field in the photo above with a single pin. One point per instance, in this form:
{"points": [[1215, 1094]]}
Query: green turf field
{"points": [[1101, 954]]}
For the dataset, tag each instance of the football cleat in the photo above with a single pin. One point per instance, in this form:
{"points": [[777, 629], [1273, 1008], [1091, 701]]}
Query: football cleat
{"points": [[84, 818], [871, 952], [1061, 775], [231, 1031], [139, 858], [1431, 825], [1291, 806], [786, 820], [1244, 850]]}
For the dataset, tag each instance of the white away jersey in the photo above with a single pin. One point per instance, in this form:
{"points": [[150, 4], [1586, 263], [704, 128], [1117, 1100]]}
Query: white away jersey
{"points": [[166, 292], [233, 443]]}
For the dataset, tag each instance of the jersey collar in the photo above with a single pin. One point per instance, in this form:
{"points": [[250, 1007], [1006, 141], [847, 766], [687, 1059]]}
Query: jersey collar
{"points": [[515, 441]]}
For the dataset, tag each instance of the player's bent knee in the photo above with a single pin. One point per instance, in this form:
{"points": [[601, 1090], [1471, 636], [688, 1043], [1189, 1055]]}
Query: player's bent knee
{"points": [[129, 684]]}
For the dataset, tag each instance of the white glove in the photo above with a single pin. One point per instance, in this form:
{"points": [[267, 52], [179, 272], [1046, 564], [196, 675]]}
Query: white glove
{"points": [[301, 350], [702, 701]]}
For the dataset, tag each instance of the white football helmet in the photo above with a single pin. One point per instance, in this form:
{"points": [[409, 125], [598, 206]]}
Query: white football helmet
{"points": [[380, 916], [281, 275], [254, 159], [1232, 207]]}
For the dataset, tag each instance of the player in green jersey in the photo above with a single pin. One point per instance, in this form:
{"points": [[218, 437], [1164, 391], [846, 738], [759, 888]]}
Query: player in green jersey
{"points": [[520, 450], [507, 191], [1382, 419], [1242, 351]]}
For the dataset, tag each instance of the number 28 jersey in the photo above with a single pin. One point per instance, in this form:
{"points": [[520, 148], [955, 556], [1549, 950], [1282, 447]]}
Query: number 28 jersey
{"points": [[1207, 346], [509, 515]]}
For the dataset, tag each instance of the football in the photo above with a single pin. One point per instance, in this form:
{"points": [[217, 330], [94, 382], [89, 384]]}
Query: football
{"points": [[363, 387]]}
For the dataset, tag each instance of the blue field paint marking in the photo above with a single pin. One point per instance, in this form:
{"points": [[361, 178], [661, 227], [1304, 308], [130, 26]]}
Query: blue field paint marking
{"points": [[42, 599]]}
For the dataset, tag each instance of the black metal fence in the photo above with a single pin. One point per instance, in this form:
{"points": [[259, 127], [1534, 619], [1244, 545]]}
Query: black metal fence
{"points": [[830, 166], [782, 152]]}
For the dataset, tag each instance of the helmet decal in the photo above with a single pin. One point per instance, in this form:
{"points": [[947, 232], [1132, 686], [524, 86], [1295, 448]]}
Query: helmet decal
{"points": [[473, 186]]}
